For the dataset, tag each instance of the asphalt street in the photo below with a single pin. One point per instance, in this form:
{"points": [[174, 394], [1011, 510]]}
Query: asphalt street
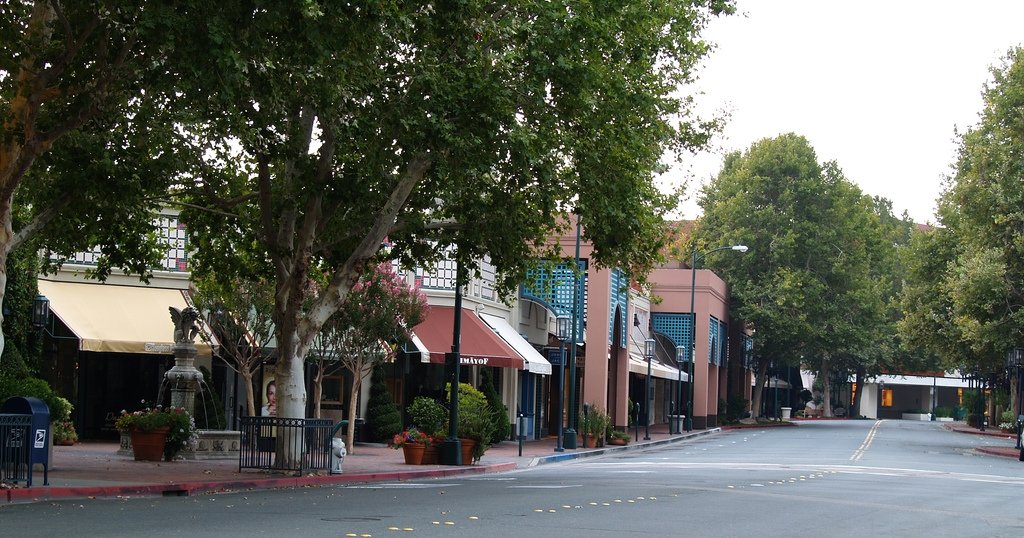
{"points": [[827, 478]]}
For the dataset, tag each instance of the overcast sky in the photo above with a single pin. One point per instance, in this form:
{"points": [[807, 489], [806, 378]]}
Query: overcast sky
{"points": [[878, 86]]}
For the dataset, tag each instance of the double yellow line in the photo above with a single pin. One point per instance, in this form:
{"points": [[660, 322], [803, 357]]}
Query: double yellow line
{"points": [[859, 453]]}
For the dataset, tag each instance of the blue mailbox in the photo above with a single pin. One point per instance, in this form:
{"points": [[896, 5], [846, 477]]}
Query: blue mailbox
{"points": [[30, 444]]}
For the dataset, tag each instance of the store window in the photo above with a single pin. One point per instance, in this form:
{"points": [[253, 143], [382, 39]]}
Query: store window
{"points": [[886, 397]]}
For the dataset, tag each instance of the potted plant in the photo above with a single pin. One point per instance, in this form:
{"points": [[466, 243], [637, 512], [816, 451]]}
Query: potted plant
{"points": [[594, 425], [158, 431], [430, 417], [412, 442], [64, 433], [476, 426], [618, 437]]}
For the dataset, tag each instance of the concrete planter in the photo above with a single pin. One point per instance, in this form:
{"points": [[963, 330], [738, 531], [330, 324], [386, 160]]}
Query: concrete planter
{"points": [[945, 419], [916, 416]]}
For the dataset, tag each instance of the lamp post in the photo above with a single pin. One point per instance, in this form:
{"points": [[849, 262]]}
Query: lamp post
{"points": [[40, 311], [569, 437], [562, 326], [693, 323], [649, 355], [1015, 362], [677, 424]]}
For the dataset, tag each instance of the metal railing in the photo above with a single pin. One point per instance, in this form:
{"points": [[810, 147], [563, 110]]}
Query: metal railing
{"points": [[285, 444], [15, 448]]}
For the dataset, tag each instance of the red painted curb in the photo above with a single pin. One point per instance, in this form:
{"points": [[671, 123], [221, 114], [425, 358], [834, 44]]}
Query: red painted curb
{"points": [[44, 493]]}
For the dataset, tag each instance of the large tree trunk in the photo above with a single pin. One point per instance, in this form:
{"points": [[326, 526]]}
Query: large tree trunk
{"points": [[250, 398], [760, 374], [826, 387], [6, 234]]}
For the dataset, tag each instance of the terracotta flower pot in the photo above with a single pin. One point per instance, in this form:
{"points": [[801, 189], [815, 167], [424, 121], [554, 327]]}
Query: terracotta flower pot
{"points": [[149, 446], [413, 453], [431, 454], [467, 450]]}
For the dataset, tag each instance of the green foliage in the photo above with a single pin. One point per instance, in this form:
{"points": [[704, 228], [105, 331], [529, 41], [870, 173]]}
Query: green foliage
{"points": [[499, 412], [596, 423], [475, 420], [736, 408], [383, 419], [428, 415], [965, 303], [942, 411], [10, 385], [64, 432]]}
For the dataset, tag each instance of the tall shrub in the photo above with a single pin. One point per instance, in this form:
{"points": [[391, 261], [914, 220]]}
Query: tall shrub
{"points": [[497, 409], [383, 420]]}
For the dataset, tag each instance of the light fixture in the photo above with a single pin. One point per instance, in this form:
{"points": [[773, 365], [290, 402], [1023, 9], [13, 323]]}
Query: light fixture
{"points": [[40, 311]]}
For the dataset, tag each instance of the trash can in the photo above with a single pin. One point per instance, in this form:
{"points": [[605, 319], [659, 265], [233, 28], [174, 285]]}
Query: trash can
{"points": [[786, 412], [38, 438]]}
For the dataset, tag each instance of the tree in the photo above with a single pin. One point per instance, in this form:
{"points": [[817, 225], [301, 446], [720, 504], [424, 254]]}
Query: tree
{"points": [[383, 419], [806, 284], [329, 130], [380, 311], [238, 318], [80, 140], [966, 302]]}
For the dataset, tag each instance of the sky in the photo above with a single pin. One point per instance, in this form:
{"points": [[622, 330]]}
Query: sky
{"points": [[880, 87]]}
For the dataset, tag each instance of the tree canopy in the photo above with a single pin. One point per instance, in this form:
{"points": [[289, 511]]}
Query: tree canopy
{"points": [[814, 283], [327, 130]]}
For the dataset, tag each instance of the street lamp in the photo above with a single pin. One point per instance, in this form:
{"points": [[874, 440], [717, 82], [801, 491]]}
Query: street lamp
{"points": [[1015, 362], [649, 355], [693, 323], [562, 327], [40, 311], [680, 358]]}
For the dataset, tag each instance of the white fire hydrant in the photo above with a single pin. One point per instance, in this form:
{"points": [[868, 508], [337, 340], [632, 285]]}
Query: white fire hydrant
{"points": [[338, 452]]}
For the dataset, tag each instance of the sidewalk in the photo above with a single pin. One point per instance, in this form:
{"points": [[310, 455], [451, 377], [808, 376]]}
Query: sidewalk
{"points": [[988, 443], [93, 469]]}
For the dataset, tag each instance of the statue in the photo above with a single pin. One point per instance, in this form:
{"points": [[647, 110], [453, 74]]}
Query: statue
{"points": [[185, 328]]}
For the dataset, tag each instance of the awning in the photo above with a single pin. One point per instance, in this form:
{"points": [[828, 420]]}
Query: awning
{"points": [[638, 365], [480, 346], [535, 362], [118, 319]]}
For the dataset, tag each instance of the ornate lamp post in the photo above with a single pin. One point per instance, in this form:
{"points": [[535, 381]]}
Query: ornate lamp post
{"points": [[680, 359], [693, 323], [562, 328], [1015, 363], [649, 355]]}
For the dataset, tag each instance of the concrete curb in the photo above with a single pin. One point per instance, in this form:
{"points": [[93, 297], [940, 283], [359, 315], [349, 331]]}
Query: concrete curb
{"points": [[184, 489], [565, 456]]}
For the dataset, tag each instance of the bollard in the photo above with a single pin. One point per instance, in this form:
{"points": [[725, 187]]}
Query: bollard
{"points": [[522, 432]]}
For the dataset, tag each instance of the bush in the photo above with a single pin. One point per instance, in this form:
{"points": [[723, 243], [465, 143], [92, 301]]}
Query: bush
{"points": [[942, 412], [383, 419], [60, 408], [499, 413], [474, 417], [428, 415], [735, 408]]}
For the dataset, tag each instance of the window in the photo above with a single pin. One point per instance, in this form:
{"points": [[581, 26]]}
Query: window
{"points": [[886, 397]]}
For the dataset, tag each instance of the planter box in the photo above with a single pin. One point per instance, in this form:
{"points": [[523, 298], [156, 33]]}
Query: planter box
{"points": [[916, 416], [945, 419]]}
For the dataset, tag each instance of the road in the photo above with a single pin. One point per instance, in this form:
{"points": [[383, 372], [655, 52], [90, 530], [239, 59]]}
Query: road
{"points": [[827, 478]]}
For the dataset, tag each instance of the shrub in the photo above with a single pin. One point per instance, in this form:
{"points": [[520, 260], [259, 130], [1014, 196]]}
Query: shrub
{"points": [[428, 415], [941, 412], [498, 411], [735, 408], [60, 408], [383, 419], [474, 417]]}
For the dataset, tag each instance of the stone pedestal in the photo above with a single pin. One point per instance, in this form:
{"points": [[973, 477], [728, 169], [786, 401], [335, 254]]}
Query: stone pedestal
{"points": [[184, 378], [216, 445]]}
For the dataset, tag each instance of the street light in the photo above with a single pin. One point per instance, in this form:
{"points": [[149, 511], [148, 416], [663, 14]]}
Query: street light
{"points": [[40, 311], [649, 355], [677, 424], [562, 327], [1015, 362], [693, 323]]}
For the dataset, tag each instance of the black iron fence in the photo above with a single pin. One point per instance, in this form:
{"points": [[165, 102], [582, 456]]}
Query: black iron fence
{"points": [[286, 444], [15, 448]]}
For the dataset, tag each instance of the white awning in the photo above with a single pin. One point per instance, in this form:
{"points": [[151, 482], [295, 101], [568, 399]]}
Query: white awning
{"points": [[535, 362], [118, 319], [638, 365]]}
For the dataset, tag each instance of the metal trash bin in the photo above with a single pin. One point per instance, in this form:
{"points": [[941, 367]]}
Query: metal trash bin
{"points": [[26, 447]]}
